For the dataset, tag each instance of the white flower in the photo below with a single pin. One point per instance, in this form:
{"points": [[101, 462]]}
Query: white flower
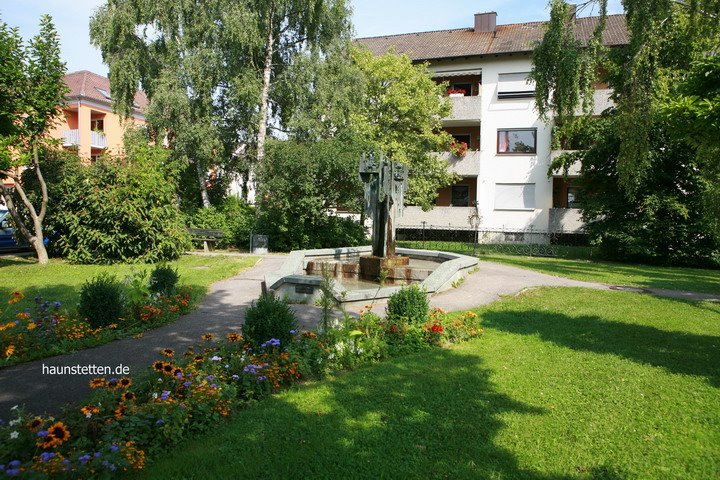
{"points": [[14, 408], [14, 435], [12, 423], [154, 395], [88, 415]]}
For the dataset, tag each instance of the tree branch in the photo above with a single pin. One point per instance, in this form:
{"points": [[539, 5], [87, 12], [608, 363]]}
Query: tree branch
{"points": [[43, 185]]}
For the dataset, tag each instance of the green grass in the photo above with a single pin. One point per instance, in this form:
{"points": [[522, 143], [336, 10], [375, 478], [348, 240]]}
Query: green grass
{"points": [[673, 278], [61, 281], [565, 384]]}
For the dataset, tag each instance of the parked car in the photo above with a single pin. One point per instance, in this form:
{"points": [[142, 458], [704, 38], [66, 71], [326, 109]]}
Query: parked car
{"points": [[7, 234]]}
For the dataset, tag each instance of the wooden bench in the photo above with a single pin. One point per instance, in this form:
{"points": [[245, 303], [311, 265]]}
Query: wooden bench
{"points": [[206, 235]]}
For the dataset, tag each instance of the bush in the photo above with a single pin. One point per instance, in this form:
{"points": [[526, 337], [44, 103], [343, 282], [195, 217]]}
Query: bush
{"points": [[410, 303], [164, 279], [120, 209], [102, 301], [235, 218], [267, 318]]}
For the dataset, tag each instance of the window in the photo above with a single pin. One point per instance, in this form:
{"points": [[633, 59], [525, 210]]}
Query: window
{"points": [[97, 125], [573, 199], [460, 138], [514, 196], [460, 196], [522, 141], [515, 85], [104, 93]]}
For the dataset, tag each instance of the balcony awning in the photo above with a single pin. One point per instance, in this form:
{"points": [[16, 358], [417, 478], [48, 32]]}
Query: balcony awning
{"points": [[457, 73]]}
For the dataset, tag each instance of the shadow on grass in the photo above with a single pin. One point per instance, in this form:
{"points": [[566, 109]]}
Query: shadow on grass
{"points": [[677, 352], [431, 415]]}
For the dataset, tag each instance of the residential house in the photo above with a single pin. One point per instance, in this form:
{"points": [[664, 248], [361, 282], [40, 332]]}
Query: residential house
{"points": [[88, 123], [504, 172]]}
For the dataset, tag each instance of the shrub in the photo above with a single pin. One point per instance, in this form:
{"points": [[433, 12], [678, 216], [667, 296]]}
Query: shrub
{"points": [[235, 218], [267, 318], [120, 209], [101, 300], [164, 279], [411, 303]]}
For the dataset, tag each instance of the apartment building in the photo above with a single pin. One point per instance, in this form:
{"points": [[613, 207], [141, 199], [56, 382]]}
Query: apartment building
{"points": [[504, 171], [88, 122]]}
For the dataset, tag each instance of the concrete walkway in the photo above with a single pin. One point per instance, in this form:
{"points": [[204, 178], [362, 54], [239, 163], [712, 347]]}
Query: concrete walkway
{"points": [[222, 311]]}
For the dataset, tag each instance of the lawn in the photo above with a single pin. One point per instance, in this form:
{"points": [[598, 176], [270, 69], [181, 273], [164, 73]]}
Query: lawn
{"points": [[564, 384], [61, 281]]}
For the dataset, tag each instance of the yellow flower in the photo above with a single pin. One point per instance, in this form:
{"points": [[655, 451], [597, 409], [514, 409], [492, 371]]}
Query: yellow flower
{"points": [[31, 326], [208, 336], [15, 297], [9, 351], [22, 315], [168, 352]]}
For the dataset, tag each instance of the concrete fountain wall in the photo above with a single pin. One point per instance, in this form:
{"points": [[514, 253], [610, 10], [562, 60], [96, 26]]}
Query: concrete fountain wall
{"points": [[290, 281]]}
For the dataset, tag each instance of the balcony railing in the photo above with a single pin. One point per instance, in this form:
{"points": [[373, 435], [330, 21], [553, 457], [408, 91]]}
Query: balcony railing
{"points": [[451, 217], [465, 108], [468, 165], [71, 138], [98, 140], [568, 220]]}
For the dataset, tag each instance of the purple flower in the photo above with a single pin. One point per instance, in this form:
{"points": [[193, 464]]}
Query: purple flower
{"points": [[97, 454], [84, 459], [235, 377], [273, 342], [213, 385], [187, 384], [293, 332], [261, 378], [14, 463], [56, 304], [42, 433], [12, 472], [160, 421], [210, 378], [109, 466], [182, 405], [165, 395], [178, 375], [114, 448], [45, 456], [216, 358]]}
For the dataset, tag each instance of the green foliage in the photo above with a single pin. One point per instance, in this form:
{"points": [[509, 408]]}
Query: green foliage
{"points": [[234, 217], [119, 210], [299, 183], [164, 279], [267, 318], [410, 304], [102, 300], [663, 221]]}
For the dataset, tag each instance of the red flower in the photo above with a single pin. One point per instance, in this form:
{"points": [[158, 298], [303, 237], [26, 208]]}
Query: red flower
{"points": [[437, 328]]}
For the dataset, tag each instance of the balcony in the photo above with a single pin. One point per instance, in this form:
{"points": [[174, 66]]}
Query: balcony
{"points": [[574, 170], [466, 166], [98, 140], [71, 138], [452, 217], [465, 111], [567, 220]]}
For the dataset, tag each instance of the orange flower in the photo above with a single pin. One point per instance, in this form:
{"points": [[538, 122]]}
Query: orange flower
{"points": [[88, 410], [168, 352], [35, 424], [57, 434], [22, 315], [97, 383], [15, 297], [31, 326], [9, 351], [208, 336], [234, 337], [124, 382]]}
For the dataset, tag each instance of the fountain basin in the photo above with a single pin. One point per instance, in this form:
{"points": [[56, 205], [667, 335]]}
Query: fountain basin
{"points": [[433, 270]]}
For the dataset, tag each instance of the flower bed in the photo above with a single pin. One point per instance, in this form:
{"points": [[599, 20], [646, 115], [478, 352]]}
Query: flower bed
{"points": [[45, 328], [125, 420]]}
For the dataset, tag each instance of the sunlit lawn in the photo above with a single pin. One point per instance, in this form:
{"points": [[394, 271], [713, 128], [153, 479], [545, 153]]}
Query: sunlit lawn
{"points": [[565, 383], [61, 281]]}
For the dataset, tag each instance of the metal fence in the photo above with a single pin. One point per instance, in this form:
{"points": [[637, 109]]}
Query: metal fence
{"points": [[506, 241]]}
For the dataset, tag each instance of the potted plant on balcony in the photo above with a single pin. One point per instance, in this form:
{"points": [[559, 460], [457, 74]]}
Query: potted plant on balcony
{"points": [[456, 92], [458, 149]]}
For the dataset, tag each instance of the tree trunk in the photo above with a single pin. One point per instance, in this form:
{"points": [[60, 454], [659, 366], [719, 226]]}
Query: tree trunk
{"points": [[267, 70], [203, 186]]}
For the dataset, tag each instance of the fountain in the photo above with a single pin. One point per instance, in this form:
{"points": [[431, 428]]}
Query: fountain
{"points": [[377, 271]]}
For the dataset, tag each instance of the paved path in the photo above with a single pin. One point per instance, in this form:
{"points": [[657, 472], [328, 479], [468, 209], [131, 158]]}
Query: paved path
{"points": [[222, 311]]}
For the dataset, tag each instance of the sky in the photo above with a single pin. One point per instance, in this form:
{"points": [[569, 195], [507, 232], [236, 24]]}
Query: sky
{"points": [[370, 18]]}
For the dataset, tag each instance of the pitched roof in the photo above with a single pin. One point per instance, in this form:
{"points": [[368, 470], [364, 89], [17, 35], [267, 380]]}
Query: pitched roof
{"points": [[89, 85], [512, 38]]}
